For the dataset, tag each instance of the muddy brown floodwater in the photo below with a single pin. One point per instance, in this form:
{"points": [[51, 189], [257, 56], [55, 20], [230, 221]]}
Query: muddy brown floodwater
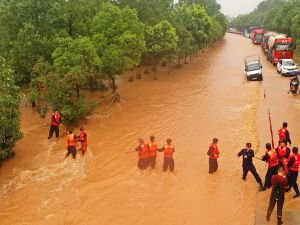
{"points": [[208, 98]]}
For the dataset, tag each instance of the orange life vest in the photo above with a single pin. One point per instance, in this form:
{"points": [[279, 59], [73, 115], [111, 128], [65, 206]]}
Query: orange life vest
{"points": [[71, 139], [56, 120], [215, 153], [144, 152], [83, 136], [295, 166], [273, 160], [281, 152], [169, 150], [152, 149], [282, 134]]}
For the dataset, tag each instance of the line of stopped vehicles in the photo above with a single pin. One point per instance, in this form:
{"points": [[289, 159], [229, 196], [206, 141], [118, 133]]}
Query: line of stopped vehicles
{"points": [[278, 49]]}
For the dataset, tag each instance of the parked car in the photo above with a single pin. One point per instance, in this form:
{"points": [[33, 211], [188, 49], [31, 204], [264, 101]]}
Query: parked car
{"points": [[253, 68], [286, 67]]}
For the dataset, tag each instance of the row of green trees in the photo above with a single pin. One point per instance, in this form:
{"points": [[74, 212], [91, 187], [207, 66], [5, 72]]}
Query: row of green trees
{"points": [[58, 48], [276, 15]]}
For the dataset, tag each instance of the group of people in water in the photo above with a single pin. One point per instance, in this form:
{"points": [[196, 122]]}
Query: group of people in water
{"points": [[72, 139], [281, 176]]}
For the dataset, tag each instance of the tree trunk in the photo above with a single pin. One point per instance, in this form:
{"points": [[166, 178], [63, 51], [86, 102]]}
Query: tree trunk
{"points": [[185, 56], [169, 70], [113, 83], [178, 63], [77, 91]]}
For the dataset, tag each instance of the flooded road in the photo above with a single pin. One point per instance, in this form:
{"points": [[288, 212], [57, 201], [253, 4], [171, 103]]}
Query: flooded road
{"points": [[208, 98]]}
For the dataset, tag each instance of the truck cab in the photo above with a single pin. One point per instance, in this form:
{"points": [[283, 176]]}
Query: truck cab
{"points": [[253, 68]]}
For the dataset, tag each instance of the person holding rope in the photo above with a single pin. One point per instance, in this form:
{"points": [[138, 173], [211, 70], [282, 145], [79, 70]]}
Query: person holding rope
{"points": [[213, 153], [283, 152], [279, 186], [248, 154], [55, 122], [142, 150], [293, 165], [272, 159], [168, 150], [152, 148]]}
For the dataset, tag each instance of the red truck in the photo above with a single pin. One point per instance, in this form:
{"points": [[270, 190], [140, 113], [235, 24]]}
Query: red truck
{"points": [[280, 47], [257, 36]]}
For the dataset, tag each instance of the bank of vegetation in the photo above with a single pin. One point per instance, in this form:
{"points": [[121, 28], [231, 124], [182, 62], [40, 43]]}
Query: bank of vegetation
{"points": [[58, 48], [282, 16]]}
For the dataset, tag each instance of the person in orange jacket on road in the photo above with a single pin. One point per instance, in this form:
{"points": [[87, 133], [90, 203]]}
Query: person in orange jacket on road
{"points": [[283, 133], [71, 144], [168, 150], [83, 139], [142, 150]]}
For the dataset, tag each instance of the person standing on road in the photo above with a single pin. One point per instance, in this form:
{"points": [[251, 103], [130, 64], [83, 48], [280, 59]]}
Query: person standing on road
{"points": [[71, 142], [293, 165], [284, 133], [142, 150], [283, 151], [168, 150], [152, 148], [248, 154], [279, 186], [213, 153], [271, 158], [55, 122]]}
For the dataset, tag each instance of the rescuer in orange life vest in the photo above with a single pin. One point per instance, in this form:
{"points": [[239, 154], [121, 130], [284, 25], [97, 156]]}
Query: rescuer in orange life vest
{"points": [[293, 165], [83, 139], [168, 150], [283, 151], [55, 122], [272, 159], [280, 184], [142, 150], [72, 142], [213, 153], [284, 133], [152, 151]]}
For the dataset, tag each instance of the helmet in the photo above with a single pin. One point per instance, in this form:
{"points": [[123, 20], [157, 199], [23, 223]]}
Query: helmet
{"points": [[248, 145], [268, 146]]}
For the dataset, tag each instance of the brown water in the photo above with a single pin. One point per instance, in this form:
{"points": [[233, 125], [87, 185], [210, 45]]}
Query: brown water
{"points": [[208, 98]]}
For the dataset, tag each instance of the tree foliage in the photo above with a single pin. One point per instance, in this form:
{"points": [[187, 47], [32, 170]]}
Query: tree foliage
{"points": [[275, 15], [9, 113], [60, 47]]}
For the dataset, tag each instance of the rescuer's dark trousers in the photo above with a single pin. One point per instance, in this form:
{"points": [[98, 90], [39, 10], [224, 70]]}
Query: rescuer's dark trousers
{"points": [[252, 169], [273, 202], [143, 163], [213, 165], [292, 178], [271, 171], [52, 130], [152, 161], [168, 163], [71, 151]]}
